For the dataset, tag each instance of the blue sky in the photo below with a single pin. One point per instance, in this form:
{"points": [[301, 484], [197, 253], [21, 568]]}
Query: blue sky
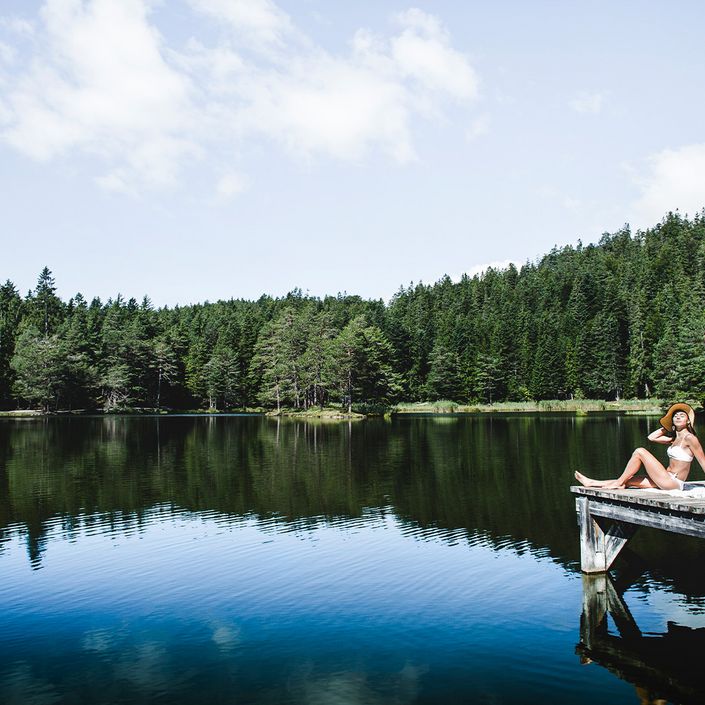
{"points": [[194, 150]]}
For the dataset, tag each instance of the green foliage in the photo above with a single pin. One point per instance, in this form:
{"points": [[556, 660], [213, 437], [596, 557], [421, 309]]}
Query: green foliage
{"points": [[41, 365], [444, 379], [625, 317], [10, 316]]}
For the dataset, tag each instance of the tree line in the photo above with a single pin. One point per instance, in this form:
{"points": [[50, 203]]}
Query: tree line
{"points": [[621, 318]]}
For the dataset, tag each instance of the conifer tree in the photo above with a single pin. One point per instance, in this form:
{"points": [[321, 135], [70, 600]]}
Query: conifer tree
{"points": [[10, 318], [40, 364]]}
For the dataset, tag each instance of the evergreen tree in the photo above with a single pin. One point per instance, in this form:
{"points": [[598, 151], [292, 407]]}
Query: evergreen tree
{"points": [[364, 362], [444, 378], [40, 366], [221, 377], [45, 307], [10, 318]]}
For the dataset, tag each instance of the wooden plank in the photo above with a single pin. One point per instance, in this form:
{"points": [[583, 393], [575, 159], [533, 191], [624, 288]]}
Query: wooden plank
{"points": [[673, 521], [617, 534], [647, 498]]}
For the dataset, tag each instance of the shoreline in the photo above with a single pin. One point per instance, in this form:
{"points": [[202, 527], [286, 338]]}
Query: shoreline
{"points": [[583, 407], [578, 407]]}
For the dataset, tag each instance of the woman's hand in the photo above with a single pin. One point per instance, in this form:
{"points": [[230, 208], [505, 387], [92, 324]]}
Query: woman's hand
{"points": [[659, 436]]}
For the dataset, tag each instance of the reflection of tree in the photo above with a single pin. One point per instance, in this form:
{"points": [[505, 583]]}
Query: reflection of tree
{"points": [[498, 479], [659, 665]]}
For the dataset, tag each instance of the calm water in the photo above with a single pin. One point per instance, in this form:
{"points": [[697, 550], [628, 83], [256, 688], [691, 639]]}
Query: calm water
{"points": [[250, 560]]}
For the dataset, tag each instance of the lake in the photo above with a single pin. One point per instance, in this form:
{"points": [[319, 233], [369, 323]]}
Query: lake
{"points": [[243, 559]]}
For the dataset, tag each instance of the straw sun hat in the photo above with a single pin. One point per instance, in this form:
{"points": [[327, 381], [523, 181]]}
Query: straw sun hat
{"points": [[667, 420]]}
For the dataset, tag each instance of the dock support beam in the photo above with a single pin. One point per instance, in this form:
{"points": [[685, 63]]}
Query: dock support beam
{"points": [[601, 540]]}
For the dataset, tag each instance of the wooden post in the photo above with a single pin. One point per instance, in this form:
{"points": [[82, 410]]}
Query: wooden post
{"points": [[617, 607], [592, 618], [600, 540], [592, 539], [617, 534]]}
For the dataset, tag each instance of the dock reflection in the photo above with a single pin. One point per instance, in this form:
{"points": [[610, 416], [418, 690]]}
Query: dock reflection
{"points": [[663, 667]]}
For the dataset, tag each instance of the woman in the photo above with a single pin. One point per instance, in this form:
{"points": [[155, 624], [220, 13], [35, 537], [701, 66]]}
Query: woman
{"points": [[683, 446]]}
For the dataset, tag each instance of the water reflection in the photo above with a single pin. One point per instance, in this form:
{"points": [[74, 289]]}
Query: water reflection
{"points": [[246, 559], [501, 480], [662, 666]]}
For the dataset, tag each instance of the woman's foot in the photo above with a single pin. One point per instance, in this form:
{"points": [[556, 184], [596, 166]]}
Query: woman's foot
{"points": [[586, 481]]}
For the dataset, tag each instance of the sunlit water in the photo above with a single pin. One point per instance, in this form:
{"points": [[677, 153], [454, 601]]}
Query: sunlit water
{"points": [[246, 560]]}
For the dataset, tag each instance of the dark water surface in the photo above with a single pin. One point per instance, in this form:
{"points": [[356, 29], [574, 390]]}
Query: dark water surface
{"points": [[251, 560]]}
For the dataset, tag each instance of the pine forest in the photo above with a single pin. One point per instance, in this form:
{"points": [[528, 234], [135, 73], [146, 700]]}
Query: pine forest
{"points": [[623, 318]]}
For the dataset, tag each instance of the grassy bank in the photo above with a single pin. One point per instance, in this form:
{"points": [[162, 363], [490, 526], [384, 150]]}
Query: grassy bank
{"points": [[24, 413], [316, 413], [578, 407], [574, 406], [20, 413]]}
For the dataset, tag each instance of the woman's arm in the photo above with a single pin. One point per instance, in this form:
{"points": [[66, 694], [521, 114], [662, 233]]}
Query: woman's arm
{"points": [[659, 436], [696, 449]]}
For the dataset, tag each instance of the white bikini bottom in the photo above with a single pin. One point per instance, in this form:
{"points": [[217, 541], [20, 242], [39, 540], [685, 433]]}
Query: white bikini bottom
{"points": [[681, 484], [675, 477]]}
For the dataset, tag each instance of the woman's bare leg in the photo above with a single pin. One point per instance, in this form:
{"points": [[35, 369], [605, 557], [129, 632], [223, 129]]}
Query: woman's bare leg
{"points": [[589, 482], [658, 476], [630, 470], [643, 483]]}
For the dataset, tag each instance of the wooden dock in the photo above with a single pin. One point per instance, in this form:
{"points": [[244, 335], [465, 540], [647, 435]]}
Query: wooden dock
{"points": [[609, 518]]}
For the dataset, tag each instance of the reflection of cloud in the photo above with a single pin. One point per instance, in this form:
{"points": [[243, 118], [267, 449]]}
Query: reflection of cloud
{"points": [[226, 637], [147, 667], [673, 608], [353, 687], [20, 686], [99, 640]]}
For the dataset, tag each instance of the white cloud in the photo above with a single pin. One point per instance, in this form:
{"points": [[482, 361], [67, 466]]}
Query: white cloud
{"points": [[329, 106], [258, 24], [230, 185], [102, 86], [17, 25], [478, 127], [674, 179], [116, 182], [101, 80], [423, 52], [480, 269], [7, 53], [586, 102]]}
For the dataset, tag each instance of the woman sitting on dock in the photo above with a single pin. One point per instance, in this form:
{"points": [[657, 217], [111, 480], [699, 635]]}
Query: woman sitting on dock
{"points": [[677, 433]]}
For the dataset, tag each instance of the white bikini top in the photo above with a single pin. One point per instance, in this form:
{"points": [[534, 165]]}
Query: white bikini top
{"points": [[679, 453]]}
